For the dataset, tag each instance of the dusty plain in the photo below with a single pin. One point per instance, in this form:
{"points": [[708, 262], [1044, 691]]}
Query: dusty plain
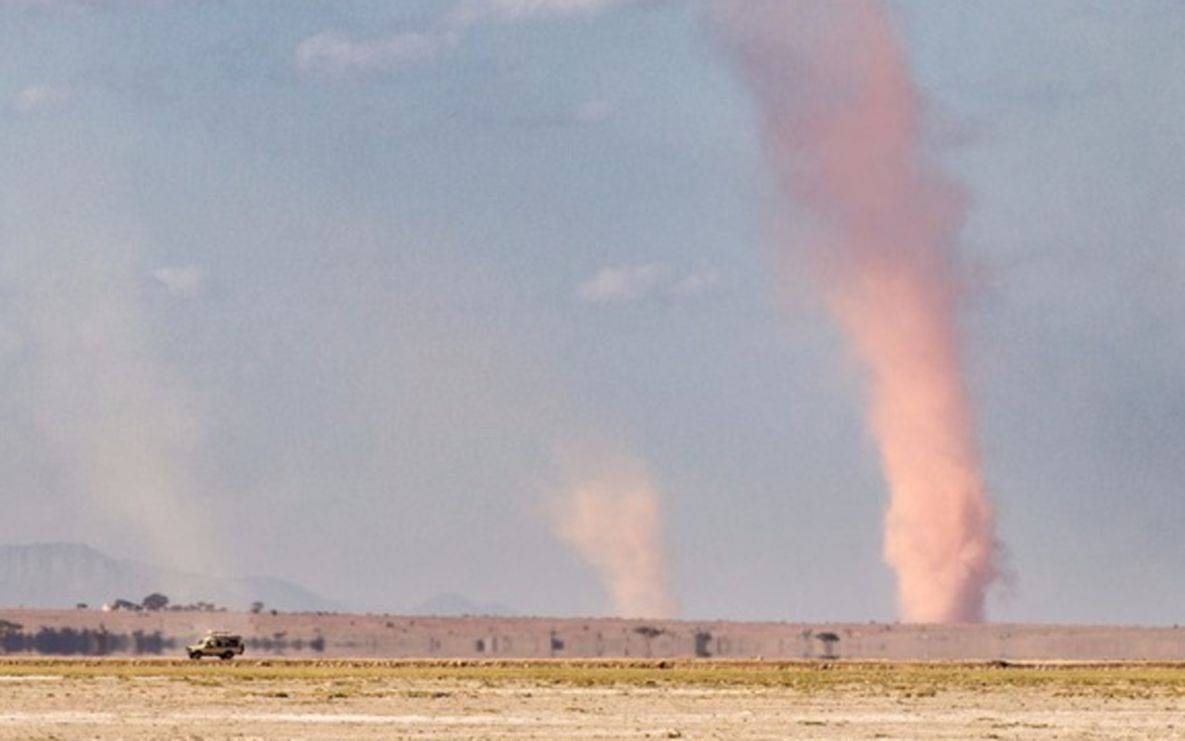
{"points": [[112, 698], [333, 635]]}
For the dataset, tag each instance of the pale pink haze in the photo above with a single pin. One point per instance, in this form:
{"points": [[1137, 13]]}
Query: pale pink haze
{"points": [[613, 519], [843, 124]]}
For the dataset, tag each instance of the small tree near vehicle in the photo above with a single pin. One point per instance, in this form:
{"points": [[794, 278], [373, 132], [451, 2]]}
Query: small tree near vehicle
{"points": [[155, 601]]}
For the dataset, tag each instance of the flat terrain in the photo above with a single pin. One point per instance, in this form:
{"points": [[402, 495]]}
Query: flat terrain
{"points": [[328, 636], [155, 698]]}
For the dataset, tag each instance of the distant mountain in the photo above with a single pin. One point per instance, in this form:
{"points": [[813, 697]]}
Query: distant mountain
{"points": [[455, 605], [64, 574]]}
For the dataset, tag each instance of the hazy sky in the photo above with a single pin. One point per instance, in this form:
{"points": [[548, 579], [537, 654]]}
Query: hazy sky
{"points": [[337, 291]]}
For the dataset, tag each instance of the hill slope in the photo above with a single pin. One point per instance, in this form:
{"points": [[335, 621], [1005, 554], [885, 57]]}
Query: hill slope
{"points": [[63, 574]]}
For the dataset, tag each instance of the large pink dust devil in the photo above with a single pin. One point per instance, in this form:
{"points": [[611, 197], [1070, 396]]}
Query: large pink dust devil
{"points": [[843, 124]]}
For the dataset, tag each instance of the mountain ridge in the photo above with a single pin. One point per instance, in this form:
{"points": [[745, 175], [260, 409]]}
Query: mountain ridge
{"points": [[63, 574]]}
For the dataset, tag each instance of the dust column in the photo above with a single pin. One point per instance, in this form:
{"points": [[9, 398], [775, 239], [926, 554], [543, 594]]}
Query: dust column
{"points": [[843, 128]]}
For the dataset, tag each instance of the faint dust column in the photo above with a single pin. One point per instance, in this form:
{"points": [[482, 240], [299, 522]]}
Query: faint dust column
{"points": [[612, 517]]}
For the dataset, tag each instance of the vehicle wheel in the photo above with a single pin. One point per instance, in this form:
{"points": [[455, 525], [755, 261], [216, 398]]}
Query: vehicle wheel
{"points": [[194, 655], [227, 655]]}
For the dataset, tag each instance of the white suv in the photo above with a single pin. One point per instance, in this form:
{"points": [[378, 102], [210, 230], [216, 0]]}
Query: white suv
{"points": [[216, 643]]}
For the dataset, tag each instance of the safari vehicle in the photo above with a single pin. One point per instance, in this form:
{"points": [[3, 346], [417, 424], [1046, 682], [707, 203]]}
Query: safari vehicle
{"points": [[216, 643]]}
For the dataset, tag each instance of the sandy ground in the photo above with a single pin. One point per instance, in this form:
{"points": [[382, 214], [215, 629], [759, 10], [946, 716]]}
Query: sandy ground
{"points": [[208, 702]]}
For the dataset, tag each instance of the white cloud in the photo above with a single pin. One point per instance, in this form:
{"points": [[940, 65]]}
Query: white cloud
{"points": [[636, 282], [591, 112], [541, 7], [52, 6], [41, 97], [183, 282], [619, 283], [703, 279], [10, 341], [77, 6], [336, 54], [472, 11]]}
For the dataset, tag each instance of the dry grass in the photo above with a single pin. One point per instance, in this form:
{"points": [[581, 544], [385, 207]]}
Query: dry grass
{"points": [[918, 679]]}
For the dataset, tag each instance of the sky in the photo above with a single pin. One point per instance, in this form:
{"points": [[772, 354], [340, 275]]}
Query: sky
{"points": [[356, 293]]}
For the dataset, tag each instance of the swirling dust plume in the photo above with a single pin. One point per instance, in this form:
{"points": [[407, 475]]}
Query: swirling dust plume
{"points": [[843, 127], [612, 517]]}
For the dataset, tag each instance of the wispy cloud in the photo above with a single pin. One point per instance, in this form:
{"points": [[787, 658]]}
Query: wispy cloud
{"points": [[41, 97], [624, 283], [621, 283], [703, 279], [335, 54], [470, 11], [187, 281], [10, 341], [77, 6], [591, 112], [53, 6]]}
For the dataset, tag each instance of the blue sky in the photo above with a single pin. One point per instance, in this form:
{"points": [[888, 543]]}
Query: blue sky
{"points": [[357, 272]]}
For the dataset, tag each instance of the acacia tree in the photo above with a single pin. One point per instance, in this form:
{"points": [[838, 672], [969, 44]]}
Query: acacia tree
{"points": [[155, 601], [829, 640]]}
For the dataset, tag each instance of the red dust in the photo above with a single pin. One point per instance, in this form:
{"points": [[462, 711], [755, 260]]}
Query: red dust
{"points": [[843, 124]]}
